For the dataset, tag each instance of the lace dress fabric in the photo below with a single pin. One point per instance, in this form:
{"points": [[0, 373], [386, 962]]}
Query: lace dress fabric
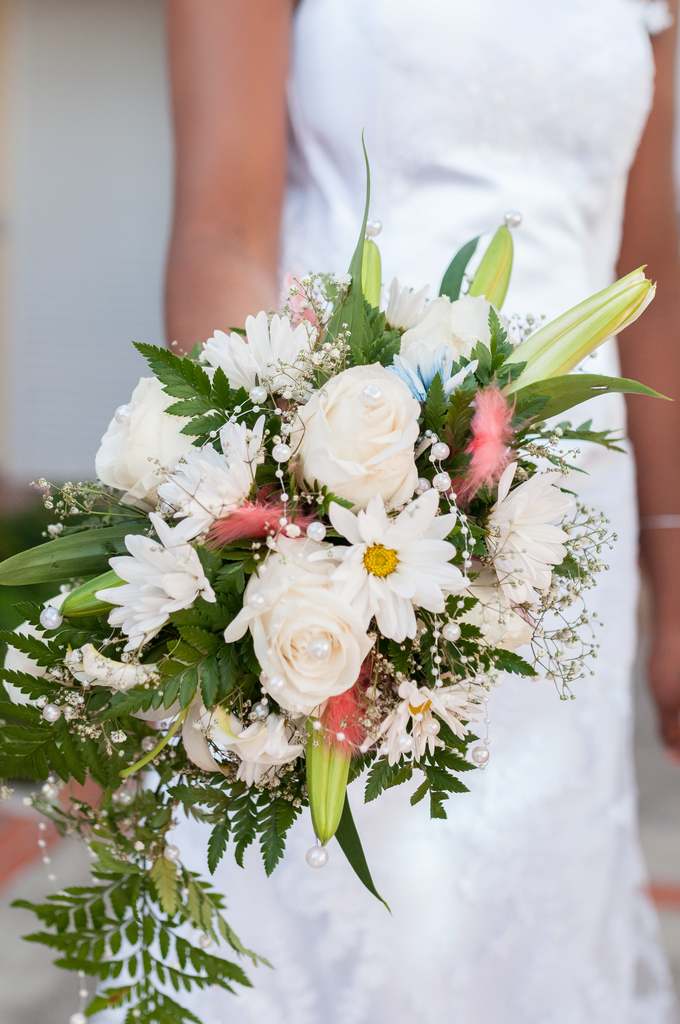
{"points": [[526, 906]]}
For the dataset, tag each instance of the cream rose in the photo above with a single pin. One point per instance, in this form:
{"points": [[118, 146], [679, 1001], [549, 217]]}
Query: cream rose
{"points": [[309, 641], [357, 434], [454, 325], [142, 445], [495, 616]]}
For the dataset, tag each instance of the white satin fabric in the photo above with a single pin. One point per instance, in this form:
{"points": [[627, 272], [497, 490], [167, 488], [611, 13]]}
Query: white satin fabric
{"points": [[526, 906]]}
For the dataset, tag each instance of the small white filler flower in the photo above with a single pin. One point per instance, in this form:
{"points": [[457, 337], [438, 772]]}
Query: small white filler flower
{"points": [[395, 565]]}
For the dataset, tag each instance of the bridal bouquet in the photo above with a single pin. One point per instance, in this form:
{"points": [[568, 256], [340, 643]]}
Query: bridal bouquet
{"points": [[315, 545]]}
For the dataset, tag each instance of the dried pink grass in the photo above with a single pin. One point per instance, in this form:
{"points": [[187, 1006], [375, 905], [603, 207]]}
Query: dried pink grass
{"points": [[253, 521], [490, 445]]}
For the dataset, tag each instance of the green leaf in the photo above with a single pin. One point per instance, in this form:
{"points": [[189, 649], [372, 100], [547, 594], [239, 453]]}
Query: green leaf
{"points": [[164, 877], [85, 553], [509, 661], [180, 376], [436, 406], [350, 844], [351, 310], [562, 393], [382, 775], [277, 818], [452, 280], [217, 844]]}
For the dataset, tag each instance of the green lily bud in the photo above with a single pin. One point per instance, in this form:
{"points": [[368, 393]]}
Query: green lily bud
{"points": [[559, 346], [371, 273], [82, 601], [492, 277], [327, 772]]}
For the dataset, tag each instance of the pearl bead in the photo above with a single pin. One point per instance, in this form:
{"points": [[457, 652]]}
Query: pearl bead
{"points": [[293, 530], [260, 712], [432, 727], [423, 485], [405, 741], [281, 452], [276, 683], [51, 618], [317, 856], [439, 451], [258, 394], [316, 725], [316, 531], [78, 1018], [319, 649], [442, 482], [373, 228], [51, 713], [172, 853], [340, 737], [513, 218], [451, 632], [480, 755], [371, 395]]}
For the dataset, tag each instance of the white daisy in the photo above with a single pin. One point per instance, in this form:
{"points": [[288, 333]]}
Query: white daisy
{"points": [[421, 708], [405, 306], [523, 540], [269, 354], [396, 565], [160, 578], [207, 485]]}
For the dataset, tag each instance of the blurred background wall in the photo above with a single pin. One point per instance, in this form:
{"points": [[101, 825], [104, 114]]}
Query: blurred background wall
{"points": [[84, 196]]}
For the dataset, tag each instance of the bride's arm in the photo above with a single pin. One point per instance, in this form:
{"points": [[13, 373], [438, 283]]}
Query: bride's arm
{"points": [[650, 351], [228, 65]]}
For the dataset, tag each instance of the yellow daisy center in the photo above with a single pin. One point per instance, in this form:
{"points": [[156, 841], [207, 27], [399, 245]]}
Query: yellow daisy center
{"points": [[420, 709], [380, 561]]}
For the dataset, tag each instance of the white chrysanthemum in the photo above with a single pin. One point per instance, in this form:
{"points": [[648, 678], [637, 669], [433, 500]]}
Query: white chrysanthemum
{"points": [[396, 565], [269, 354], [523, 540], [495, 616], [160, 578], [454, 325], [262, 747], [207, 485], [405, 306], [421, 708]]}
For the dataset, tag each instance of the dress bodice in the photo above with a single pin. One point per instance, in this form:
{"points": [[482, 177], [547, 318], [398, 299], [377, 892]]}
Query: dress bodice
{"points": [[469, 109]]}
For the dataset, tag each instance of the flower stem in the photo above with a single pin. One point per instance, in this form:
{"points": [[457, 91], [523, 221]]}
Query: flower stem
{"points": [[162, 743]]}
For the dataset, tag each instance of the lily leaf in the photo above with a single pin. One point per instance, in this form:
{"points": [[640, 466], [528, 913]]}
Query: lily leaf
{"points": [[85, 553], [452, 280], [350, 843], [546, 398]]}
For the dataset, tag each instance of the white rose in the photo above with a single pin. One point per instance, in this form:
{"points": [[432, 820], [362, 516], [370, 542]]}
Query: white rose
{"points": [[356, 435], [142, 444], [457, 326], [500, 625], [309, 642]]}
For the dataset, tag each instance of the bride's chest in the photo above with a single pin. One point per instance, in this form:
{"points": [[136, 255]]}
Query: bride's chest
{"points": [[568, 78]]}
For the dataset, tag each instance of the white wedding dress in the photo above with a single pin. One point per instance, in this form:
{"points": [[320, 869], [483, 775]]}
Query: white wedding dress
{"points": [[526, 906]]}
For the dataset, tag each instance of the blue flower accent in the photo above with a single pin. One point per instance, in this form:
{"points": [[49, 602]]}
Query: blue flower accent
{"points": [[418, 369]]}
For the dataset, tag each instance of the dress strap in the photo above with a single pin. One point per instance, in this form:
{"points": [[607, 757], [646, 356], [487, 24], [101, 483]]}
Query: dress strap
{"points": [[656, 14]]}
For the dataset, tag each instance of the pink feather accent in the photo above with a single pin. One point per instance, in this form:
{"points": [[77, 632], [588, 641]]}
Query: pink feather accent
{"points": [[490, 444], [252, 521], [343, 714]]}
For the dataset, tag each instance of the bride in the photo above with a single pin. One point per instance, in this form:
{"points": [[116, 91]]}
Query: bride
{"points": [[526, 906]]}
